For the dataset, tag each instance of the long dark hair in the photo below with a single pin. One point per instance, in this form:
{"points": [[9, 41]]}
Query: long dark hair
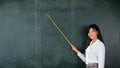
{"points": [[99, 36]]}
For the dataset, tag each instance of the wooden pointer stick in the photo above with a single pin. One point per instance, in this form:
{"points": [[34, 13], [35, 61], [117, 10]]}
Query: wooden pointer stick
{"points": [[61, 32]]}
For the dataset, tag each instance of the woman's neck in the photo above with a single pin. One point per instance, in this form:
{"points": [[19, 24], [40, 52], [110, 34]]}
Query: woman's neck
{"points": [[94, 40]]}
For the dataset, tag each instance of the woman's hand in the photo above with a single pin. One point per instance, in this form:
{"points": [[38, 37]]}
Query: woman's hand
{"points": [[74, 49]]}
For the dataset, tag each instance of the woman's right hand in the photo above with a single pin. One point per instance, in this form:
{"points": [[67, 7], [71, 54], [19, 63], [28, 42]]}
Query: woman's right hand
{"points": [[74, 49]]}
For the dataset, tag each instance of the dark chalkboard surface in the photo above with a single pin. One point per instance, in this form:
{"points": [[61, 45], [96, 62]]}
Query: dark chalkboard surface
{"points": [[29, 40]]}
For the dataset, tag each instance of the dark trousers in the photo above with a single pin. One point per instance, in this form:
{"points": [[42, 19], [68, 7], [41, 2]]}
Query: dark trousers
{"points": [[92, 65]]}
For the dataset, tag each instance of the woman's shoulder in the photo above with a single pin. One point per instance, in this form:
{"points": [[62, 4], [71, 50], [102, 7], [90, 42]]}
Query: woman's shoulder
{"points": [[100, 44]]}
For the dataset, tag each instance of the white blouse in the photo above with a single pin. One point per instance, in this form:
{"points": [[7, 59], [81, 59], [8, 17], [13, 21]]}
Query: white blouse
{"points": [[95, 53]]}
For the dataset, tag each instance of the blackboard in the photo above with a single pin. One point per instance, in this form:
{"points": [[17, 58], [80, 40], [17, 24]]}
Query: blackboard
{"points": [[29, 40]]}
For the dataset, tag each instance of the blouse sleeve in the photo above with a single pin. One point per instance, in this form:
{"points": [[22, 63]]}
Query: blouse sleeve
{"points": [[101, 56], [82, 56]]}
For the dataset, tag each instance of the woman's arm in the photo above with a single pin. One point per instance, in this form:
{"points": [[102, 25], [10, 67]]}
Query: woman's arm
{"points": [[75, 49], [82, 56], [101, 56]]}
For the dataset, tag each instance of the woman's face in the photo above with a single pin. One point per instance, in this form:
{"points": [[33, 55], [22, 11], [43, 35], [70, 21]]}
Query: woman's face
{"points": [[92, 34]]}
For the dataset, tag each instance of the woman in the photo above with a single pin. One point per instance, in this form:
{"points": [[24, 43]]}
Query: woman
{"points": [[95, 52]]}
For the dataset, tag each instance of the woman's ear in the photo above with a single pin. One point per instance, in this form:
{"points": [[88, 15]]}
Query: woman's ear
{"points": [[97, 32]]}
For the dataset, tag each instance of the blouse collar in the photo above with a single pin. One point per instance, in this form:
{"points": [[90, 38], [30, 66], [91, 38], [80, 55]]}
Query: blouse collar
{"points": [[94, 42]]}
